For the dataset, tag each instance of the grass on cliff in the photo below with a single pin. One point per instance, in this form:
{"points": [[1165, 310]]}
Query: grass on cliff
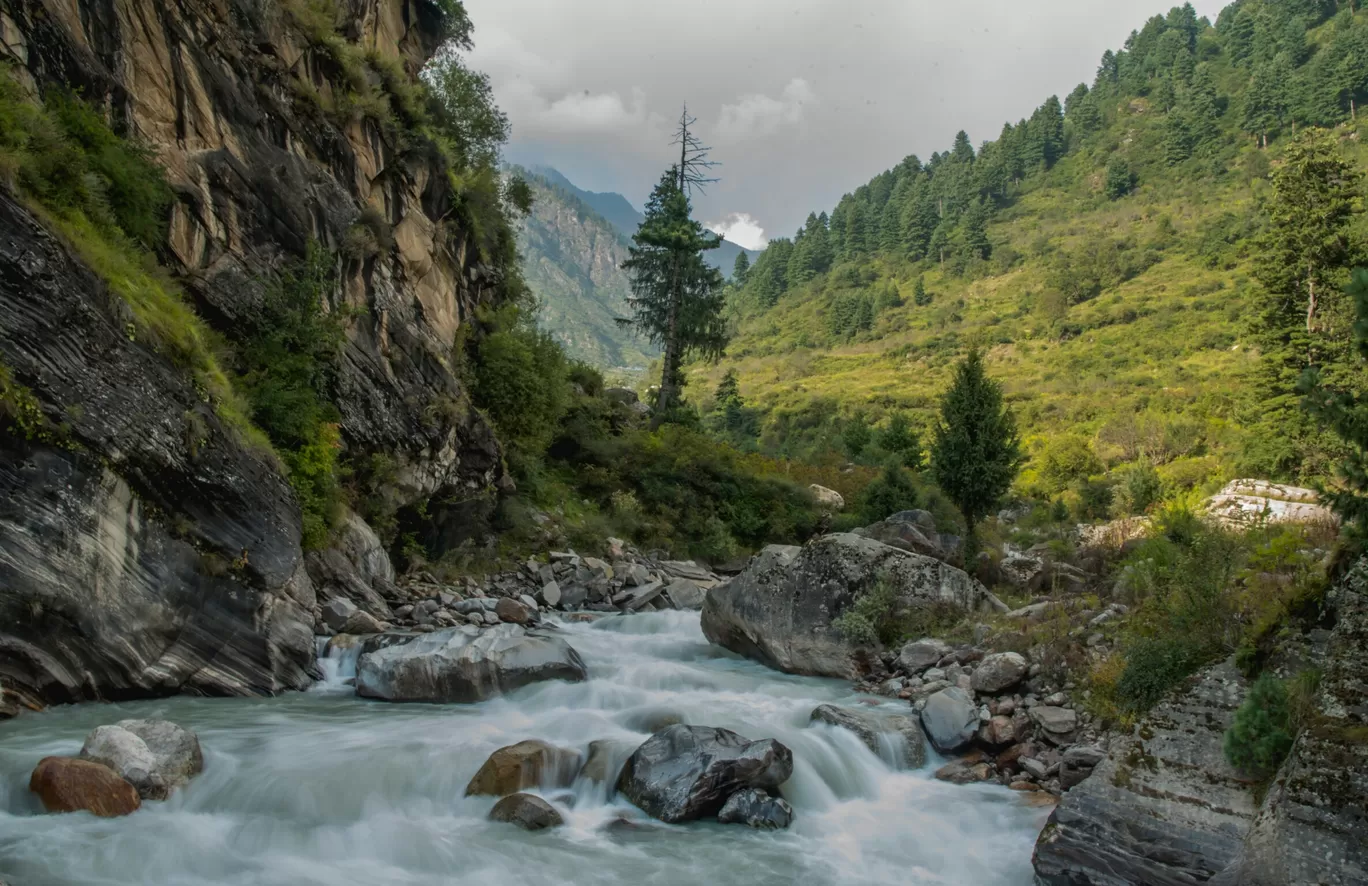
{"points": [[107, 197]]}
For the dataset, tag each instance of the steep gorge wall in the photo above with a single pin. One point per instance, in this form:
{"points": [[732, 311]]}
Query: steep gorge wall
{"points": [[150, 549]]}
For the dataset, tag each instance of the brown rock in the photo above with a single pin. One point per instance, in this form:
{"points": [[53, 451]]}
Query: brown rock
{"points": [[1010, 759], [523, 765], [66, 784], [510, 610], [960, 772], [998, 731]]}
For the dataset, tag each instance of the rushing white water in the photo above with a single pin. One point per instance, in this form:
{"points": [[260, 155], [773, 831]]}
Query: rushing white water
{"points": [[324, 788]]}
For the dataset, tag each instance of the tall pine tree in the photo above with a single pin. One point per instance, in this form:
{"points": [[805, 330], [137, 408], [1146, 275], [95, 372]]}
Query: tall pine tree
{"points": [[976, 452]]}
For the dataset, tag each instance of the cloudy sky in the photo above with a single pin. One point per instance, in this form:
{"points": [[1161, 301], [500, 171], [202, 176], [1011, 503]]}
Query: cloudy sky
{"points": [[801, 100]]}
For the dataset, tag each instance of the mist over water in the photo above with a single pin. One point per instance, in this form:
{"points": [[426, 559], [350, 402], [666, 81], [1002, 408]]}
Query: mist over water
{"points": [[324, 788]]}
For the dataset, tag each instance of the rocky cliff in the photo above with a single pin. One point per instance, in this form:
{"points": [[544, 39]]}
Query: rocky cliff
{"points": [[146, 547]]}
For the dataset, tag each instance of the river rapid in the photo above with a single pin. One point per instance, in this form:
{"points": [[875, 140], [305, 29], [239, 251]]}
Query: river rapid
{"points": [[325, 788]]}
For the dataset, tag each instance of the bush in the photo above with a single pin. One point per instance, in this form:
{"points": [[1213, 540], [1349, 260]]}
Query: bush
{"points": [[892, 492], [521, 379], [1261, 736], [1139, 490], [1153, 667], [869, 620]]}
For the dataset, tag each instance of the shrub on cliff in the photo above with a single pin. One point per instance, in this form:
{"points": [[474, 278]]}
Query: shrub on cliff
{"points": [[1259, 739]]}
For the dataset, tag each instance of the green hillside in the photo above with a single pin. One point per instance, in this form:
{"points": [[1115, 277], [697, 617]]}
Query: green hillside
{"points": [[1102, 252], [572, 261]]}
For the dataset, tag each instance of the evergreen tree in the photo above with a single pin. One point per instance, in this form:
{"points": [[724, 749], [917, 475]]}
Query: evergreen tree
{"points": [[1120, 180], [976, 452], [963, 151], [677, 297], [855, 436], [898, 438], [1178, 138], [974, 241], [1345, 413], [920, 296], [1266, 99], [1301, 257], [741, 268], [728, 401]]}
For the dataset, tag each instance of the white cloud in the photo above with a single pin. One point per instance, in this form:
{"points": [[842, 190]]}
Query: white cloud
{"points": [[742, 229], [756, 114], [594, 112]]}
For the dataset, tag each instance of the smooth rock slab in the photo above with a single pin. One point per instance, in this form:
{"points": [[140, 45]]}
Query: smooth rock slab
{"points": [[66, 784], [871, 726], [466, 664], [683, 773], [950, 719], [155, 756], [756, 809]]}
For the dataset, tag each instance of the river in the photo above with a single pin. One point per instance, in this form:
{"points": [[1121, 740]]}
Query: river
{"points": [[324, 788]]}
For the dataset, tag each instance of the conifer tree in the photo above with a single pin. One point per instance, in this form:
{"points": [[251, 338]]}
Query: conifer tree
{"points": [[741, 268], [677, 297], [920, 296], [976, 452], [898, 438]]}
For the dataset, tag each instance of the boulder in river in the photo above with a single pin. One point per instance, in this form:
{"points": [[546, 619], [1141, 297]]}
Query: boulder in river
{"points": [[950, 719], [526, 764], [466, 664], [757, 809], [528, 812], [683, 773], [873, 725], [780, 612], [66, 784], [155, 756]]}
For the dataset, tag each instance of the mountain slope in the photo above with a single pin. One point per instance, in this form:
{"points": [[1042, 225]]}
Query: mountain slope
{"points": [[572, 260], [1100, 250], [626, 217]]}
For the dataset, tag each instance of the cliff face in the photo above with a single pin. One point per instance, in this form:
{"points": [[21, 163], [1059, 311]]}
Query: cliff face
{"points": [[136, 556]]}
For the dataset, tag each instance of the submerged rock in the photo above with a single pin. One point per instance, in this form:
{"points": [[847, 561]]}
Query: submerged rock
{"points": [[66, 784], [527, 764], [683, 773], [527, 812], [756, 809], [155, 756], [872, 725], [466, 664], [780, 611]]}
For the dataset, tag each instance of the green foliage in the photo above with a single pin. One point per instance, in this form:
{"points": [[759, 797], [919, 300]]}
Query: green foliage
{"points": [[1066, 460], [520, 377], [1139, 490], [899, 439], [976, 453], [286, 360], [892, 492], [466, 116], [856, 436], [1345, 413], [870, 619], [1155, 665], [1261, 736], [1120, 178]]}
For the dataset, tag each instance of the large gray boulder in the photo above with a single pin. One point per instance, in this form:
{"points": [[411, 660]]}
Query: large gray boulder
{"points": [[878, 730], [919, 655], [913, 531], [999, 672], [1164, 807], [950, 719], [527, 811], [683, 773], [466, 664], [780, 611], [155, 756]]}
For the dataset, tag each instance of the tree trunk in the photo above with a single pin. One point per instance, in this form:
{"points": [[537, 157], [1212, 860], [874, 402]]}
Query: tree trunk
{"points": [[669, 374]]}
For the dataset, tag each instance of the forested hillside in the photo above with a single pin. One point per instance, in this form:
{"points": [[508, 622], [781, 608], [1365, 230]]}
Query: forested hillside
{"points": [[572, 261], [1112, 252]]}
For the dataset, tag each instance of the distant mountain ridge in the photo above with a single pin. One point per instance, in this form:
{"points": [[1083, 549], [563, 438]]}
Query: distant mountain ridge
{"points": [[620, 212]]}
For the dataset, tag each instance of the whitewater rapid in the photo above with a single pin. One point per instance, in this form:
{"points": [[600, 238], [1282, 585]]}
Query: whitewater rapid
{"points": [[324, 788]]}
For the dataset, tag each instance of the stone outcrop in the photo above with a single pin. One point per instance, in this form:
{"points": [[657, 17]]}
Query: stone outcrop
{"points": [[1164, 807], [154, 756], [684, 773], [465, 664], [150, 550], [1313, 827], [780, 611], [65, 784], [1242, 502]]}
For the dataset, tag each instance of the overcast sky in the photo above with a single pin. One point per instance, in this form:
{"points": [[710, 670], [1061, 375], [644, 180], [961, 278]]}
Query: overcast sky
{"points": [[801, 100]]}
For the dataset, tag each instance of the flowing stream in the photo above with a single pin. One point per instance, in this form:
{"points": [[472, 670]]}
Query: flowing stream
{"points": [[324, 788]]}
